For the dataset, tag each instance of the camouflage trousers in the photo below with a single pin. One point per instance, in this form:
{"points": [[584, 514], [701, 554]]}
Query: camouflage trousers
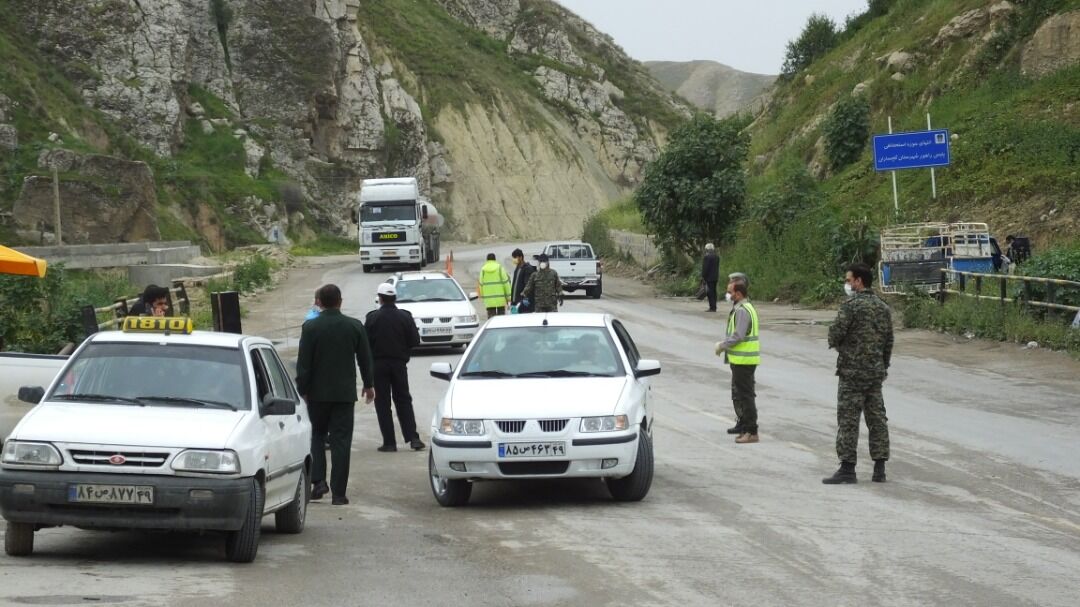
{"points": [[855, 399]]}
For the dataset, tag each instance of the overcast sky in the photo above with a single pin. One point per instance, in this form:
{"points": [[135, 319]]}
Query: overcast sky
{"points": [[749, 35]]}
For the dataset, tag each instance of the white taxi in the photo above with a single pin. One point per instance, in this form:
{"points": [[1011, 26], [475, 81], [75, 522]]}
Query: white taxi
{"points": [[543, 396], [159, 427], [443, 313]]}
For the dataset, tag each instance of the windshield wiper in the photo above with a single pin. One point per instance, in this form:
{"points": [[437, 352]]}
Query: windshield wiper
{"points": [[439, 299], [497, 374], [99, 397], [188, 401], [562, 373]]}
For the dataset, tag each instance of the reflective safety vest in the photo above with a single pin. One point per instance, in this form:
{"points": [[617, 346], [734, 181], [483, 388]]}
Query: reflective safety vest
{"points": [[748, 351], [494, 285]]}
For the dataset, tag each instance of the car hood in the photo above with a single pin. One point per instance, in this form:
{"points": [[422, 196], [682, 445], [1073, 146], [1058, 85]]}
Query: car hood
{"points": [[129, 425], [534, 398], [439, 308]]}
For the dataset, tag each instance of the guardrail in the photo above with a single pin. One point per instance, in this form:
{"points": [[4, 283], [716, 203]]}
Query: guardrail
{"points": [[962, 279], [118, 310]]}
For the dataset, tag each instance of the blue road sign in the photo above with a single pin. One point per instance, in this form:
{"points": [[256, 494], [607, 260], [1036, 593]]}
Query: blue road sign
{"points": [[918, 150]]}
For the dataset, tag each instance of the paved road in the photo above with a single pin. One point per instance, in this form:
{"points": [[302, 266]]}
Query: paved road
{"points": [[982, 507]]}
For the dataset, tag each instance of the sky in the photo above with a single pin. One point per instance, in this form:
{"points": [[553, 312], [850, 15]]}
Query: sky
{"points": [[749, 35]]}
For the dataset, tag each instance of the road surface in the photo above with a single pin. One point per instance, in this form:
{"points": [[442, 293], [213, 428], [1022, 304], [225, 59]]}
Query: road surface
{"points": [[982, 506]]}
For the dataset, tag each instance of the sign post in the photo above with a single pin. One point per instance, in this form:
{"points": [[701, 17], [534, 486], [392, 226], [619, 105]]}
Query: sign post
{"points": [[933, 178], [915, 150]]}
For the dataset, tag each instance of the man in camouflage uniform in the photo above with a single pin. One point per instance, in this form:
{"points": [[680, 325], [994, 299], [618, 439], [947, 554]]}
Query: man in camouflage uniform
{"points": [[863, 338], [544, 288]]}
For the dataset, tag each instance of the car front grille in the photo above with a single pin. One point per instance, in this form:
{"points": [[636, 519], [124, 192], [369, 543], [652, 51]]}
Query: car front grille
{"points": [[132, 459], [511, 427], [528, 468], [553, 425], [437, 338]]}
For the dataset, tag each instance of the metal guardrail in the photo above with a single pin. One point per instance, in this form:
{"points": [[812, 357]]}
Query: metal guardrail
{"points": [[962, 280]]}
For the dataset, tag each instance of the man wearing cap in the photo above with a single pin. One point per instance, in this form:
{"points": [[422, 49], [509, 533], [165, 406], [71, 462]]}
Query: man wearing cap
{"points": [[332, 346], [544, 289], [494, 287], [393, 334], [710, 274]]}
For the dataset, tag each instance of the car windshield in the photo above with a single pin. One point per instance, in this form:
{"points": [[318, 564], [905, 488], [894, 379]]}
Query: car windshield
{"points": [[434, 289], [397, 211], [155, 375], [543, 352]]}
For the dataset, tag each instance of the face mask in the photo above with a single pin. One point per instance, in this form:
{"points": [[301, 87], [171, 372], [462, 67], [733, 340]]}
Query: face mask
{"points": [[543, 265], [727, 296], [848, 290]]}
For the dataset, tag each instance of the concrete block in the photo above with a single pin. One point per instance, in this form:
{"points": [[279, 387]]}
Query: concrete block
{"points": [[164, 273]]}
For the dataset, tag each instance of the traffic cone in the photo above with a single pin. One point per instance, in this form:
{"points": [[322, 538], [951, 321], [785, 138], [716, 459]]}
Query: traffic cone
{"points": [[450, 263]]}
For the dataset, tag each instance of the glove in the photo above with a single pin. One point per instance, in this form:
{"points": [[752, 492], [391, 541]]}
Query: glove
{"points": [[525, 302], [719, 348]]}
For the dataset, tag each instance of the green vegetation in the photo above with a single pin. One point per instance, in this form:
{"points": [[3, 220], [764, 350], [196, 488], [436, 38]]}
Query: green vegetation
{"points": [[624, 215], [847, 130], [326, 245], [818, 37]]}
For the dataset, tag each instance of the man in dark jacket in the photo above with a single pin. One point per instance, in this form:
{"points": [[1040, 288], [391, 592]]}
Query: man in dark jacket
{"points": [[154, 301], [332, 346], [710, 274], [522, 271], [393, 335]]}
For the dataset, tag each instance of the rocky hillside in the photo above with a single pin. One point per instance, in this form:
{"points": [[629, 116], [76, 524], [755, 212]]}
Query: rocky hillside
{"points": [[712, 86], [225, 120]]}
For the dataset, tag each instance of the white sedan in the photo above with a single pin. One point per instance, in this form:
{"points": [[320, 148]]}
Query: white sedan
{"points": [[444, 314], [545, 396]]}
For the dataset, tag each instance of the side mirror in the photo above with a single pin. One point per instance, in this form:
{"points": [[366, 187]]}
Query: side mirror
{"points": [[272, 405], [32, 395], [647, 367], [473, 296], [424, 212], [354, 217], [442, 371]]}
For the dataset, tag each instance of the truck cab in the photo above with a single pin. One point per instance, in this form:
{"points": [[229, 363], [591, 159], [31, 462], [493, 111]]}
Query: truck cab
{"points": [[396, 226]]}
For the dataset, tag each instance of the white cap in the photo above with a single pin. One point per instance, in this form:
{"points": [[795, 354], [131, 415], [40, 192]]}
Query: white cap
{"points": [[387, 289]]}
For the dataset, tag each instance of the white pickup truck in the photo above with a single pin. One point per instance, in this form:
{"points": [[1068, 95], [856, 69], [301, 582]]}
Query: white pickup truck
{"points": [[158, 427], [577, 266]]}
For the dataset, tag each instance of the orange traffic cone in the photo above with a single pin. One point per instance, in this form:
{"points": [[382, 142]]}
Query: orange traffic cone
{"points": [[450, 263]]}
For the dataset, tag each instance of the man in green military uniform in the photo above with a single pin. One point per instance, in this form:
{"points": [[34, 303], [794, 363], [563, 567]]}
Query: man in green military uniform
{"points": [[332, 346], [863, 338], [494, 287], [544, 288]]}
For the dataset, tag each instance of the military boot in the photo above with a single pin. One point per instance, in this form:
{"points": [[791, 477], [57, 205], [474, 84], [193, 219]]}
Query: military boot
{"points": [[879, 471], [844, 475]]}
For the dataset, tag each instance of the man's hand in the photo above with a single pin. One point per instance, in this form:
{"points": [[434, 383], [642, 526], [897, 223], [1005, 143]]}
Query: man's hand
{"points": [[369, 395], [719, 348]]}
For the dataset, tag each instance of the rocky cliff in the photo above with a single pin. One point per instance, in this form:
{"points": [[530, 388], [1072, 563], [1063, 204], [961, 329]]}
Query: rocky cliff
{"points": [[713, 86], [517, 117]]}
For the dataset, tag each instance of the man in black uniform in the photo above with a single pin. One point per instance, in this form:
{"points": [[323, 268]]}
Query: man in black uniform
{"points": [[522, 271], [332, 346], [710, 274], [393, 334]]}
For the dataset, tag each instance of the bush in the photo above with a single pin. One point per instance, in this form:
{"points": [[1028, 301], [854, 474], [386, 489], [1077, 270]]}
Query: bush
{"points": [[595, 232], [783, 202], [1061, 263], [818, 37], [847, 130], [252, 274], [326, 245]]}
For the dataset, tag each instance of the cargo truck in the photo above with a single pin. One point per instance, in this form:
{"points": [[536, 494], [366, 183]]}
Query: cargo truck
{"points": [[396, 226]]}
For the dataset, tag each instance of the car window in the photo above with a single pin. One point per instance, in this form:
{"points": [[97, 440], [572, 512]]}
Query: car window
{"points": [[557, 351], [432, 289], [279, 381], [627, 342], [262, 381]]}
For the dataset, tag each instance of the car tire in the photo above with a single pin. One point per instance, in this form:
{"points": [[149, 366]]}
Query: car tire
{"points": [[242, 545], [635, 486], [19, 539], [597, 291], [291, 518], [450, 493], [366, 268]]}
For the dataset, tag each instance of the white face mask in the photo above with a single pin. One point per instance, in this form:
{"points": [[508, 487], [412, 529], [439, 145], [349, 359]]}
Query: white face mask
{"points": [[848, 290], [543, 265], [727, 296]]}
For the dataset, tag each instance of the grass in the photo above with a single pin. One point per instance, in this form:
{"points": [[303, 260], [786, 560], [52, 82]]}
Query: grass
{"points": [[326, 245]]}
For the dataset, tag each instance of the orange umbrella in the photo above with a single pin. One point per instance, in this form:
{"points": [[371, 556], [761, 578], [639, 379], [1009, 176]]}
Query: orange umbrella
{"points": [[14, 262]]}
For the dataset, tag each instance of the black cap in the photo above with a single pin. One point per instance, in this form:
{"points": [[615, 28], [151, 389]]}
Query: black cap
{"points": [[542, 257]]}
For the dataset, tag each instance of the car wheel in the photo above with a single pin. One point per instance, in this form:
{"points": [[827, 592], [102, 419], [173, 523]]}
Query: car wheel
{"points": [[242, 545], [19, 539], [291, 518], [449, 493], [366, 268], [596, 291], [635, 487]]}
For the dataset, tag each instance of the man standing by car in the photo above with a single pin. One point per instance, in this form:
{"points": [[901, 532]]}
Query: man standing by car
{"points": [[494, 287], [544, 289], [742, 352], [393, 335], [863, 337], [710, 274], [332, 346], [522, 271]]}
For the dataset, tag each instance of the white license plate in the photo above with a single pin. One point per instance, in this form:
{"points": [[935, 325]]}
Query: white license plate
{"points": [[111, 494], [532, 449], [438, 331]]}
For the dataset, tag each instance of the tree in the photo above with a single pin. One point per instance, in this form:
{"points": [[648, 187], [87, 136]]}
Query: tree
{"points": [[818, 37], [847, 130], [693, 191]]}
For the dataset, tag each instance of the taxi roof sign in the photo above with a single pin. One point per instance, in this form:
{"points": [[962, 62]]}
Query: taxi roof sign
{"points": [[158, 324]]}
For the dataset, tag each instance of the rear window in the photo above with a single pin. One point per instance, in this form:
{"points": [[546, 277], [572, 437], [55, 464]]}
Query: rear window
{"points": [[570, 251], [543, 351]]}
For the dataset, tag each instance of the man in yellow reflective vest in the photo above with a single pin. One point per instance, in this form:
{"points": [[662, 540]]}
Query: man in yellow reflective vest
{"points": [[494, 286], [742, 351]]}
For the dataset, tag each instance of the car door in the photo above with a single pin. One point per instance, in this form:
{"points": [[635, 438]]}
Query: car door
{"points": [[298, 425], [275, 430], [642, 390]]}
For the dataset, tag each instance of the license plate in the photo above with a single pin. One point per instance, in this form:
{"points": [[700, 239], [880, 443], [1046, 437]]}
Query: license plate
{"points": [[532, 449], [111, 494], [438, 331]]}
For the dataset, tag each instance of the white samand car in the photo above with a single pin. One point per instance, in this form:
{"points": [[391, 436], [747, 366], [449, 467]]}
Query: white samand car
{"points": [[166, 431], [443, 313], [545, 396]]}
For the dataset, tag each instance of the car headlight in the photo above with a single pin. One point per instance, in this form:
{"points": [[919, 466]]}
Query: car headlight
{"points": [[20, 453], [607, 423], [465, 320], [462, 427], [208, 462]]}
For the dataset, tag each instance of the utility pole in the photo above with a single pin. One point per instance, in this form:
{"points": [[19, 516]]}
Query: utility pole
{"points": [[56, 206]]}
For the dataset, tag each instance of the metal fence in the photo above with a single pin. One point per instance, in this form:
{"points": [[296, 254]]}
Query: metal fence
{"points": [[957, 283]]}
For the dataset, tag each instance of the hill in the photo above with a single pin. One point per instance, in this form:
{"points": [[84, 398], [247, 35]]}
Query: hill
{"points": [[712, 86]]}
